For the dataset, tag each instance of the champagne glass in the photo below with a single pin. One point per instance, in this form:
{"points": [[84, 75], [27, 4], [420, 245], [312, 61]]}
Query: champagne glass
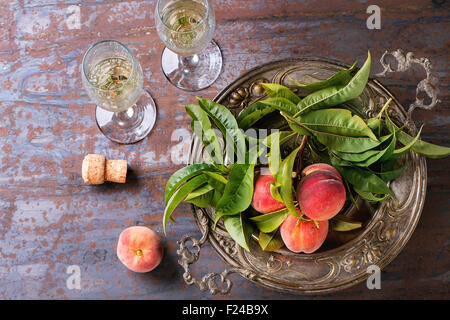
{"points": [[113, 79], [191, 60]]}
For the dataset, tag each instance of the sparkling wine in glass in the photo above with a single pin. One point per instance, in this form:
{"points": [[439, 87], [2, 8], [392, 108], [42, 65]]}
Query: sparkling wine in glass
{"points": [[191, 60], [113, 79]]}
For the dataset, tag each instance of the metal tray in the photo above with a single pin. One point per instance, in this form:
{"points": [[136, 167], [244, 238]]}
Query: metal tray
{"points": [[344, 261]]}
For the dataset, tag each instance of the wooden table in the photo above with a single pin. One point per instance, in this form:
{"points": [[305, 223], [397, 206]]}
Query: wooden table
{"points": [[50, 220]]}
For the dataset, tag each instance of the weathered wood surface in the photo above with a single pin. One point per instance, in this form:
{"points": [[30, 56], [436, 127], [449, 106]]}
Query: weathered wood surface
{"points": [[50, 220]]}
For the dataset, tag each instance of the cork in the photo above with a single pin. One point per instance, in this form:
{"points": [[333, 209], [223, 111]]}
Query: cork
{"points": [[93, 169], [116, 171], [96, 170]]}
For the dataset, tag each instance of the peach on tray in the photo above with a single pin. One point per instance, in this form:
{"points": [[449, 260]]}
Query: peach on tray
{"points": [[140, 249], [262, 199], [320, 166], [321, 193], [303, 236]]}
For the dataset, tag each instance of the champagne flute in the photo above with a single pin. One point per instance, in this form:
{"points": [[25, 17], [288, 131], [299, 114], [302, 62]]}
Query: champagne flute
{"points": [[191, 60], [113, 79]]}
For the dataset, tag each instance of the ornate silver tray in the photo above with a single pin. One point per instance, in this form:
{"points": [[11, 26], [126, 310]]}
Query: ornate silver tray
{"points": [[343, 260]]}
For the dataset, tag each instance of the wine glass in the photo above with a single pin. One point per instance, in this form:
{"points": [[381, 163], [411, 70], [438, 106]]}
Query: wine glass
{"points": [[113, 79], [191, 60]]}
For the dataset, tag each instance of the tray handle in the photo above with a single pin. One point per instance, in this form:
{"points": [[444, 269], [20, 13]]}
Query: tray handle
{"points": [[429, 85], [208, 281]]}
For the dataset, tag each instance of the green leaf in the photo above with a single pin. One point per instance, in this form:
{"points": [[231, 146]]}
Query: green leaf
{"points": [[201, 126], [345, 143], [380, 155], [392, 174], [219, 188], [252, 114], [217, 217], [203, 200], [296, 128], [336, 95], [284, 136], [277, 90], [340, 78], [336, 121], [356, 157], [374, 124], [399, 152], [362, 156], [179, 196], [284, 179], [339, 142], [239, 230], [270, 241], [281, 104], [226, 123], [420, 147], [387, 153], [184, 174], [270, 221], [199, 191], [336, 161], [217, 177], [350, 194], [342, 223], [369, 196], [295, 125], [238, 192], [364, 180], [275, 193], [201, 197]]}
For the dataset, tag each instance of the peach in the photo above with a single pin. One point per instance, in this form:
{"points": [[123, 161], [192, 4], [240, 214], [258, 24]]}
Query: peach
{"points": [[318, 175], [140, 249], [262, 199], [303, 236], [322, 199], [321, 192], [320, 166]]}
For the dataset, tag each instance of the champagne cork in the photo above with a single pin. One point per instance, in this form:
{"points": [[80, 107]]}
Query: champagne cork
{"points": [[116, 171], [93, 169], [96, 170]]}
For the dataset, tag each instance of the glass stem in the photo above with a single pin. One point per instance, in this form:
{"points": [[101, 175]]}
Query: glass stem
{"points": [[189, 62], [128, 118]]}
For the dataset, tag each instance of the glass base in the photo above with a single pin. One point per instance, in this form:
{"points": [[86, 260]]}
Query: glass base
{"points": [[193, 73], [129, 126]]}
